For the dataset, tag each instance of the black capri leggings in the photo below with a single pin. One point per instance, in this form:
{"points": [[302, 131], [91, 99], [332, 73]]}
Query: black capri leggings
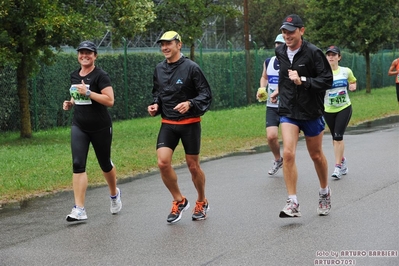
{"points": [[337, 122], [101, 142], [397, 91]]}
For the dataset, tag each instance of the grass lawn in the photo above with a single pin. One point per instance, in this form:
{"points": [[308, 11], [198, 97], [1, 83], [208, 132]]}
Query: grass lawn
{"points": [[43, 164]]}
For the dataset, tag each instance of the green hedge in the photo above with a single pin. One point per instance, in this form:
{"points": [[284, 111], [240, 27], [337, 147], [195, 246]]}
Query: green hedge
{"points": [[225, 71]]}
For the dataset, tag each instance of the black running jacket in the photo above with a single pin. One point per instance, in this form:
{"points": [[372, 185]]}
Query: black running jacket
{"points": [[179, 82], [306, 101]]}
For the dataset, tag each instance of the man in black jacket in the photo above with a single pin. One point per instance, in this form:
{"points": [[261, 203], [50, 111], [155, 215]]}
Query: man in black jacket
{"points": [[181, 94], [304, 76]]}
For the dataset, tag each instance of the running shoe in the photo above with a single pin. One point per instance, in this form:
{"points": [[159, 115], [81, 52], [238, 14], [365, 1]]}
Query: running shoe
{"points": [[291, 210], [77, 214], [276, 166], [200, 210], [324, 203], [344, 166], [337, 172], [116, 203], [178, 207]]}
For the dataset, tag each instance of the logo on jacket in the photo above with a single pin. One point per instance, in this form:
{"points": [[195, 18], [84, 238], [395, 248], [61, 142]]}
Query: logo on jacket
{"points": [[179, 81]]}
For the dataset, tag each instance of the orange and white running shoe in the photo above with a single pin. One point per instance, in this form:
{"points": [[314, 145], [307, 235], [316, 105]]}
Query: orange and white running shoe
{"points": [[200, 210], [178, 207]]}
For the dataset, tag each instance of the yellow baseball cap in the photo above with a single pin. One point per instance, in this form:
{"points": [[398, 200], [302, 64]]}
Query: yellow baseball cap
{"points": [[170, 36]]}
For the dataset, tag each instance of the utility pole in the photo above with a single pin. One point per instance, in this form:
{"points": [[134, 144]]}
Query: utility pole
{"points": [[247, 53]]}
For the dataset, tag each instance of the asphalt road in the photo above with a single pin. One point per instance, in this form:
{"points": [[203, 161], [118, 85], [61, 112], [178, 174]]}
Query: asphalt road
{"points": [[243, 227]]}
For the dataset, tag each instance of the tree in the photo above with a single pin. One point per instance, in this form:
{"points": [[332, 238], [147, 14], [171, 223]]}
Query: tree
{"points": [[189, 17], [266, 16], [31, 32], [362, 26], [126, 18]]}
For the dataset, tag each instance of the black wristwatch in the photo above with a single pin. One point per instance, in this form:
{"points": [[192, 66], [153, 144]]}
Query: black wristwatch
{"points": [[190, 103]]}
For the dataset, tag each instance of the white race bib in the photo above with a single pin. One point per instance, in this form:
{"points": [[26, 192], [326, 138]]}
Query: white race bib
{"points": [[79, 98]]}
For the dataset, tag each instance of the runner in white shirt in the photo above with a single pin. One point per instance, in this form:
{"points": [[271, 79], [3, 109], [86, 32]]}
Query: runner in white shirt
{"points": [[269, 79]]}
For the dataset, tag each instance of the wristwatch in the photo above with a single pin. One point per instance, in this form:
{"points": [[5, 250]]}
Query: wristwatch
{"points": [[190, 103], [303, 79], [88, 92]]}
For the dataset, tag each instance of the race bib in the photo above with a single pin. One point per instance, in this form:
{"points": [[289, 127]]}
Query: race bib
{"points": [[337, 98], [77, 97]]}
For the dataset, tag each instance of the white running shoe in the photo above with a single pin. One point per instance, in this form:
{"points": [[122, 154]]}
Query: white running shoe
{"points": [[337, 172], [116, 203], [276, 166], [291, 210], [77, 214], [344, 167], [324, 203]]}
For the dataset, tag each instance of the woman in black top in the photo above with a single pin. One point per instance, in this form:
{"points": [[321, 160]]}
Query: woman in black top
{"points": [[91, 95]]}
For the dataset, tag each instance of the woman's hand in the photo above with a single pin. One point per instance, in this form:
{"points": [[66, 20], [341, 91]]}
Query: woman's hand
{"points": [[352, 86], [67, 105]]}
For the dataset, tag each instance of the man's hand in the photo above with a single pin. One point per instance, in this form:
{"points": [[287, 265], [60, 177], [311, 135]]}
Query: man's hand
{"points": [[293, 75], [182, 107], [261, 94], [153, 109], [274, 96]]}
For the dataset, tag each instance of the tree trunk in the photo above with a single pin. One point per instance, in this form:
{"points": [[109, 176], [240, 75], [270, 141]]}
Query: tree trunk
{"points": [[23, 95], [247, 53], [248, 64], [368, 73], [192, 48]]}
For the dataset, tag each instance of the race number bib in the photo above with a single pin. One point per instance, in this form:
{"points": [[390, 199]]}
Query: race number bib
{"points": [[337, 98], [77, 97]]}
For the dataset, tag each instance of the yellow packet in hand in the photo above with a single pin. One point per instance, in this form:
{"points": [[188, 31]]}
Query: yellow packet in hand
{"points": [[262, 94]]}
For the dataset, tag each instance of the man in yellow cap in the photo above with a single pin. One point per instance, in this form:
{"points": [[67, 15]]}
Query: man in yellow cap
{"points": [[181, 95]]}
